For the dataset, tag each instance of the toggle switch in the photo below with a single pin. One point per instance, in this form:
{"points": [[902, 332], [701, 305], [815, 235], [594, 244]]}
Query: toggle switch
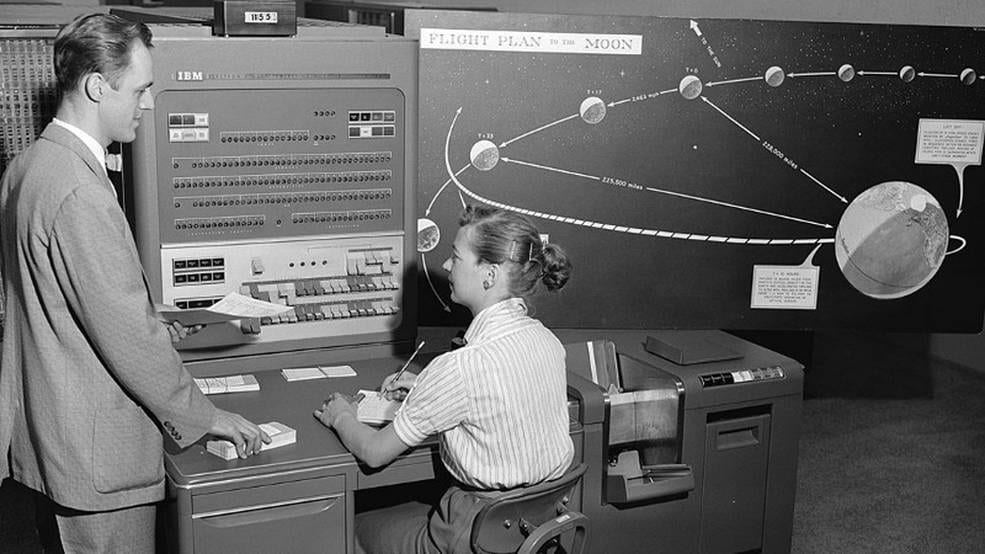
{"points": [[256, 266]]}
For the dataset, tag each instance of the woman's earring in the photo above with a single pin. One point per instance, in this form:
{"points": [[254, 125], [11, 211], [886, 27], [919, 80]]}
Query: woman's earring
{"points": [[486, 285]]}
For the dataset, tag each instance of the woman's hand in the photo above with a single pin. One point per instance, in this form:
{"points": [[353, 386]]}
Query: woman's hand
{"points": [[394, 389], [335, 406]]}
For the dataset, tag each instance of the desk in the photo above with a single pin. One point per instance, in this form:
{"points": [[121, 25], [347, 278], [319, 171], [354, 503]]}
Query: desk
{"points": [[297, 498]]}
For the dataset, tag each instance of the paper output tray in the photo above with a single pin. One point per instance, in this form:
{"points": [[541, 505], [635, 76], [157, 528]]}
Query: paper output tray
{"points": [[656, 482]]}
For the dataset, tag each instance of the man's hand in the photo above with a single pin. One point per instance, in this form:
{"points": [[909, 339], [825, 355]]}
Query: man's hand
{"points": [[397, 390], [334, 407], [179, 331], [175, 328], [247, 436]]}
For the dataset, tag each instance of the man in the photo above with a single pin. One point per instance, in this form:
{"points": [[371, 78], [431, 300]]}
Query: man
{"points": [[88, 372]]}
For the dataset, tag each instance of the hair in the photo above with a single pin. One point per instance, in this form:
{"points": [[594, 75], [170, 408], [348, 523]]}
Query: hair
{"points": [[507, 238], [95, 43]]}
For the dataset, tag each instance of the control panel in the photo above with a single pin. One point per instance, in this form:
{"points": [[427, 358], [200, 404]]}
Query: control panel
{"points": [[282, 169], [291, 168], [741, 376], [330, 283]]}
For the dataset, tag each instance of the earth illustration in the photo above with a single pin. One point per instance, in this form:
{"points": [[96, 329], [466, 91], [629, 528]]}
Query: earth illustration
{"points": [[891, 240]]}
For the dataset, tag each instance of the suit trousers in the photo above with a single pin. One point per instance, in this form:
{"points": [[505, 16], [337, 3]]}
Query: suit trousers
{"points": [[69, 531]]}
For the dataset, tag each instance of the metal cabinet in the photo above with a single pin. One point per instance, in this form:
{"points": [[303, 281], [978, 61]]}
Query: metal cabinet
{"points": [[295, 517]]}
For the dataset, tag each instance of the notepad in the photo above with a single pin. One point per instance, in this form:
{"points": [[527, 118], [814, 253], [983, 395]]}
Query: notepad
{"points": [[280, 435], [317, 372], [376, 409], [230, 383]]}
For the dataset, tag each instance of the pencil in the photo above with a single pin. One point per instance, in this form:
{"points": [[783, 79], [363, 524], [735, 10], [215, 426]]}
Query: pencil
{"points": [[406, 364]]}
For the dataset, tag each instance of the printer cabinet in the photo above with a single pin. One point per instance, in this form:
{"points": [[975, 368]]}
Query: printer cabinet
{"points": [[733, 498]]}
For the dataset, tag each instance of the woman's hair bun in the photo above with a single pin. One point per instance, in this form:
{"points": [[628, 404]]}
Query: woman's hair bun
{"points": [[556, 267]]}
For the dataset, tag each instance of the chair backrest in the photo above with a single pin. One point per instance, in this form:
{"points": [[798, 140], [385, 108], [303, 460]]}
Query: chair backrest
{"points": [[525, 520]]}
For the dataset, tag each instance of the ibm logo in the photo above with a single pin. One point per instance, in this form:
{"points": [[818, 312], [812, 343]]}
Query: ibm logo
{"points": [[190, 76]]}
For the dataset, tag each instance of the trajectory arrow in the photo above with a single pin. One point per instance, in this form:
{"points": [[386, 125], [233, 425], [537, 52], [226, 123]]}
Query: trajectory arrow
{"points": [[441, 189], [694, 27], [737, 207], [753, 135], [813, 74], [548, 168], [427, 275], [537, 130], [677, 194], [731, 81]]}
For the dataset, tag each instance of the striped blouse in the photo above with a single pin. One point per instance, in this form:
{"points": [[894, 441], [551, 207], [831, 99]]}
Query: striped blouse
{"points": [[499, 403]]}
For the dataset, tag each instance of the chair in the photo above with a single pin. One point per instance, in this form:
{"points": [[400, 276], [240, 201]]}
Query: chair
{"points": [[532, 519]]}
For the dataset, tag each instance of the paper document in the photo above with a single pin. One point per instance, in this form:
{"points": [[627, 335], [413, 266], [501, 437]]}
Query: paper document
{"points": [[317, 372], [280, 435], [232, 306], [230, 383], [375, 409]]}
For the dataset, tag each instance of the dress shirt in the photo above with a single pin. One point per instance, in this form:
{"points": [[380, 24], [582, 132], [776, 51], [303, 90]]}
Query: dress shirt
{"points": [[499, 403]]}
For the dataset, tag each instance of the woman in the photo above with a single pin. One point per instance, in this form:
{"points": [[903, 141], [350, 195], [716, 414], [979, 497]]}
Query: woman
{"points": [[499, 403]]}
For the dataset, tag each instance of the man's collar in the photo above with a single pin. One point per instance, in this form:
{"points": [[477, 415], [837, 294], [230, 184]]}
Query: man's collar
{"points": [[92, 144]]}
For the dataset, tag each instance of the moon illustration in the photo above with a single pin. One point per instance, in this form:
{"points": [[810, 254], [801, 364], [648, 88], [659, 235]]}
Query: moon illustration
{"points": [[968, 76], [907, 73], [592, 110], [846, 72], [428, 235], [690, 87], [484, 155], [774, 76]]}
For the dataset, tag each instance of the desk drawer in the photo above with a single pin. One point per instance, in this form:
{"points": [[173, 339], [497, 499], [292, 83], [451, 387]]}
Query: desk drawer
{"points": [[301, 526], [267, 495], [294, 517]]}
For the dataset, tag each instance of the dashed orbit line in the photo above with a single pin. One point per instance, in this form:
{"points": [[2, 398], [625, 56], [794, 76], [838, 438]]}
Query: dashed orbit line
{"points": [[639, 230]]}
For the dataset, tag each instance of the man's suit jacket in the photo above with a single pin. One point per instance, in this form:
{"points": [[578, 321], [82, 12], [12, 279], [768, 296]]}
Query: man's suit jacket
{"points": [[87, 371]]}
